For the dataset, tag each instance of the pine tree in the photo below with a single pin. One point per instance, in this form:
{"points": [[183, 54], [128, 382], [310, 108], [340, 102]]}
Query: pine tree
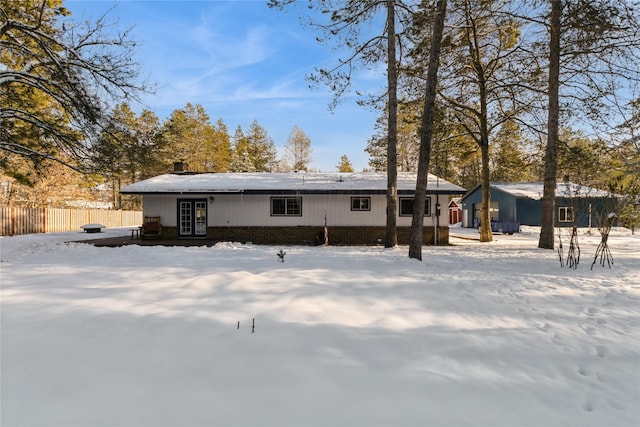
{"points": [[221, 147], [240, 159], [116, 153], [407, 141], [191, 137], [151, 153], [482, 85], [593, 50], [508, 159], [346, 19], [344, 165], [54, 73], [261, 150]]}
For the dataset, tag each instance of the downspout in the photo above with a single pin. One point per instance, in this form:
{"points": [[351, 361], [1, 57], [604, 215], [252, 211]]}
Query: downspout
{"points": [[437, 228]]}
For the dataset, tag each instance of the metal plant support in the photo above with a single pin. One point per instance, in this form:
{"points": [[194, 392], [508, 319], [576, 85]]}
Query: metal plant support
{"points": [[573, 254], [603, 251], [560, 248], [573, 257]]}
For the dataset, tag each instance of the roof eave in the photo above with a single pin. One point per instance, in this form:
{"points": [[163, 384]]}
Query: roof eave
{"points": [[298, 192]]}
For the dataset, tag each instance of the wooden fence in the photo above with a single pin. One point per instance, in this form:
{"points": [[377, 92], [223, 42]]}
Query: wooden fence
{"points": [[14, 221]]}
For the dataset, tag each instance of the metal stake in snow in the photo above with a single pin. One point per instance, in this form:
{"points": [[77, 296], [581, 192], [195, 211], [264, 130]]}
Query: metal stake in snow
{"points": [[326, 230], [253, 326]]}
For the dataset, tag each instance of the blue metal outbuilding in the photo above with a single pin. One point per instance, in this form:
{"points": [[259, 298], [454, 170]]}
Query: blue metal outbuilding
{"points": [[520, 203]]}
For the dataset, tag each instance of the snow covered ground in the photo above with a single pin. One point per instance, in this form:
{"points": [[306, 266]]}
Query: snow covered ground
{"points": [[477, 334]]}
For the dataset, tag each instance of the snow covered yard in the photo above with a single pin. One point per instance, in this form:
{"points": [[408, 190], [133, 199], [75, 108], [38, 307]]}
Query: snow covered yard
{"points": [[478, 334]]}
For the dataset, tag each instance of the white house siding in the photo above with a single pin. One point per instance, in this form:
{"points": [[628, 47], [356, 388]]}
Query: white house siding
{"points": [[163, 206], [240, 210], [255, 210]]}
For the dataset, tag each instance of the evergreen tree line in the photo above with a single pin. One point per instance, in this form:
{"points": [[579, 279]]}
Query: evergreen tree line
{"points": [[503, 90], [136, 147], [513, 156]]}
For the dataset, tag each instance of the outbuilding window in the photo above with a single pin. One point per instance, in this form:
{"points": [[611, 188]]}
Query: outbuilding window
{"points": [[361, 203], [406, 206], [286, 206], [565, 214]]}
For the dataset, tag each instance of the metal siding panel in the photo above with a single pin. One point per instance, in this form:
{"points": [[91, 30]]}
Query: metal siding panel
{"points": [[506, 205], [529, 211], [600, 209], [472, 198]]}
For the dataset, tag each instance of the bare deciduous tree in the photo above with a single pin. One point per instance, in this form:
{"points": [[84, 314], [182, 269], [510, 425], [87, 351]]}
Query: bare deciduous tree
{"points": [[298, 150]]}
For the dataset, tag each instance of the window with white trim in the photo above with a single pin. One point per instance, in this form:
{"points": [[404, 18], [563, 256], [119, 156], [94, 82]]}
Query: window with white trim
{"points": [[361, 203], [286, 206], [565, 214], [406, 206]]}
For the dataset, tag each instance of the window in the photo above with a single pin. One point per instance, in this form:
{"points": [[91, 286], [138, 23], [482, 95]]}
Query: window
{"points": [[406, 206], [565, 214], [286, 206], [361, 203]]}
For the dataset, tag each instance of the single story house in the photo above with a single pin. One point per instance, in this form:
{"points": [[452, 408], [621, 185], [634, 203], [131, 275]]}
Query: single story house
{"points": [[289, 208], [521, 203]]}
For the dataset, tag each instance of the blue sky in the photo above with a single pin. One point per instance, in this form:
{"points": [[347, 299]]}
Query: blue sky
{"points": [[242, 62]]}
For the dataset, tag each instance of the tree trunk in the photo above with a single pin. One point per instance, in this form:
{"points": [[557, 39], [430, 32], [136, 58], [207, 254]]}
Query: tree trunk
{"points": [[391, 238], [417, 223], [485, 214], [551, 156]]}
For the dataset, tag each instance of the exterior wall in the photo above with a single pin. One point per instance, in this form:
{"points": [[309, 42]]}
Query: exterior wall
{"points": [[510, 208], [506, 205], [473, 202], [350, 235], [588, 211], [247, 218], [529, 211], [255, 210], [164, 206], [468, 203], [237, 210]]}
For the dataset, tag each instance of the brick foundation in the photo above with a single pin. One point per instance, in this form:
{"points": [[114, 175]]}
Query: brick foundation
{"points": [[354, 236]]}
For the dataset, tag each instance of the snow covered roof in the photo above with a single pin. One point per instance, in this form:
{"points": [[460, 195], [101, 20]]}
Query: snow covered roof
{"points": [[299, 182], [534, 190], [456, 201]]}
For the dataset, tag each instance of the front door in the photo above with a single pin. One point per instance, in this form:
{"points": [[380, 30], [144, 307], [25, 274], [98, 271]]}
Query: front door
{"points": [[192, 218]]}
